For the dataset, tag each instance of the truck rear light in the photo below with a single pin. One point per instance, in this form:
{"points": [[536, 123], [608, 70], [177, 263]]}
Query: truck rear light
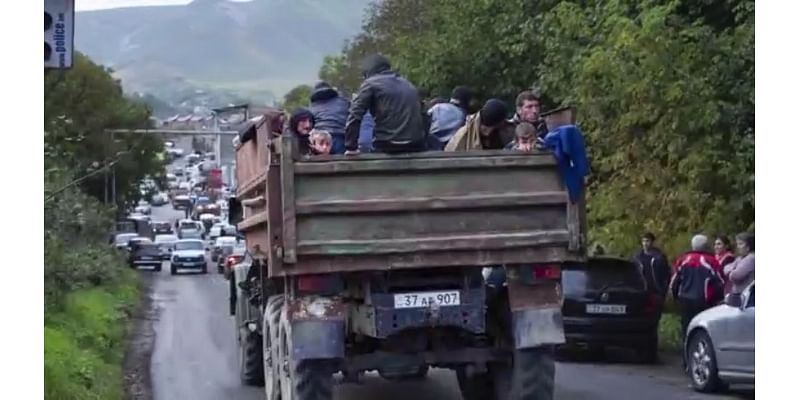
{"points": [[547, 271]]}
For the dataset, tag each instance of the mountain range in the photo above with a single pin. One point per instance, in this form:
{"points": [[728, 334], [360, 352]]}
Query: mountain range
{"points": [[218, 50]]}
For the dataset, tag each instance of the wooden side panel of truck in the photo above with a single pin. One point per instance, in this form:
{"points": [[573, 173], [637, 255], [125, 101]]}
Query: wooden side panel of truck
{"points": [[325, 214]]}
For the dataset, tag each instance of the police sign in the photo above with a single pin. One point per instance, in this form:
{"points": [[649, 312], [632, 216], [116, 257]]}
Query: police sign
{"points": [[59, 17]]}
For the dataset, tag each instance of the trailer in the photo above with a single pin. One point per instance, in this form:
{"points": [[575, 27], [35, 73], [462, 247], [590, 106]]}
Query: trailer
{"points": [[378, 263]]}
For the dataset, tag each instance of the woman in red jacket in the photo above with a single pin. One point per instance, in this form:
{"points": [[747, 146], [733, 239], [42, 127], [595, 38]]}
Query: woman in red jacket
{"points": [[724, 255]]}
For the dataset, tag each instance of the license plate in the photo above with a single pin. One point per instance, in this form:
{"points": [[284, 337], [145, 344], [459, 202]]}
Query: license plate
{"points": [[606, 309], [427, 299]]}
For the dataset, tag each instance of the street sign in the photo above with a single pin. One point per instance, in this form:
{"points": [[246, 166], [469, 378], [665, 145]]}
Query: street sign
{"points": [[59, 29]]}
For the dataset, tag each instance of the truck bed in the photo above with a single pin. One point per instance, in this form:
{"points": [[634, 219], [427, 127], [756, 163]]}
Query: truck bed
{"points": [[378, 212]]}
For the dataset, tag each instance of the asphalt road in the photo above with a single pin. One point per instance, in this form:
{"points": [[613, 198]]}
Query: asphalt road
{"points": [[195, 356]]}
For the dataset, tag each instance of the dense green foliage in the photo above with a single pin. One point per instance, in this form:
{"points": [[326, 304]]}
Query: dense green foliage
{"points": [[299, 96], [665, 92], [88, 287]]}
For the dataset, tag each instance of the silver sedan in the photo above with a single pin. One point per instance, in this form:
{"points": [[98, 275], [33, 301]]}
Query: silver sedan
{"points": [[720, 343]]}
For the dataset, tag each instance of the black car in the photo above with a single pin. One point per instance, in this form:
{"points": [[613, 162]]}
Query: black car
{"points": [[146, 255], [606, 304], [162, 227]]}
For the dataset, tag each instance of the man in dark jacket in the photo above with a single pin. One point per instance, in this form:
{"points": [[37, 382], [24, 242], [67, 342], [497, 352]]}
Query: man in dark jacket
{"points": [[528, 108], [330, 113], [697, 284], [394, 104], [654, 264]]}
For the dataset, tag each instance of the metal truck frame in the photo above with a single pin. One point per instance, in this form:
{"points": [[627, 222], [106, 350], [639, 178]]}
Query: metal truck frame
{"points": [[378, 262]]}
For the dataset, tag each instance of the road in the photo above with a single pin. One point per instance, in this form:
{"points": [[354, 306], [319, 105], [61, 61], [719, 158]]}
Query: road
{"points": [[195, 356]]}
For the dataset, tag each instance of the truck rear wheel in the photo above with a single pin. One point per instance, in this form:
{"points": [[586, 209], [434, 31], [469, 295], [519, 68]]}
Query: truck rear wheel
{"points": [[531, 377], [250, 361], [270, 329], [303, 379]]}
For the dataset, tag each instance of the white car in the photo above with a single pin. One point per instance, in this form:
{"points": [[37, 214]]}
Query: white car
{"points": [[159, 199], [720, 347], [166, 244], [121, 240], [221, 242], [188, 254], [143, 207]]}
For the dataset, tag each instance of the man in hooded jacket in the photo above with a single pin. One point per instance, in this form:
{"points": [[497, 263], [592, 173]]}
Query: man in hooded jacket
{"points": [[301, 123], [330, 113], [395, 106]]}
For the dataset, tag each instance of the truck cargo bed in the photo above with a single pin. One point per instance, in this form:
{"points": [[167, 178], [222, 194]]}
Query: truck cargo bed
{"points": [[377, 212]]}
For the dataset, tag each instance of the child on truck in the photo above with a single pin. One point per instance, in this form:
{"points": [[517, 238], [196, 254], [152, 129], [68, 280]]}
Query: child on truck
{"points": [[321, 142], [524, 137]]}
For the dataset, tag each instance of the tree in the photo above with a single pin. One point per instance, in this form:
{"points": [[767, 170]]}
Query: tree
{"points": [[664, 89], [299, 96], [80, 104]]}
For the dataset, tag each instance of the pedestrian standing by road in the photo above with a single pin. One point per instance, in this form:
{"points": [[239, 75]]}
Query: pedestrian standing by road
{"points": [[724, 255], [697, 284], [394, 104], [654, 264], [742, 272]]}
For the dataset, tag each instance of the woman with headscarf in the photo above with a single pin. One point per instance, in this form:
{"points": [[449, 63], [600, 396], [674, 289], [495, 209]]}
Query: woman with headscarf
{"points": [[742, 272], [301, 123]]}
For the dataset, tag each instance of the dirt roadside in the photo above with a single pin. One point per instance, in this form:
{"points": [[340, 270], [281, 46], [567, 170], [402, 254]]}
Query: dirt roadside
{"points": [[140, 344]]}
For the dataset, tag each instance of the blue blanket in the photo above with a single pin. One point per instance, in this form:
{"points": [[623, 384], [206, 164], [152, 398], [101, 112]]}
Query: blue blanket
{"points": [[568, 147]]}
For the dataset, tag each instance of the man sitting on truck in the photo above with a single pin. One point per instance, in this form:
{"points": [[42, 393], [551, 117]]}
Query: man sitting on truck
{"points": [[485, 130], [330, 113], [394, 104], [528, 107]]}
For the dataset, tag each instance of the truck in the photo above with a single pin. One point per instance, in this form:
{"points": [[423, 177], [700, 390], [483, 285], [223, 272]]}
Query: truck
{"points": [[379, 262]]}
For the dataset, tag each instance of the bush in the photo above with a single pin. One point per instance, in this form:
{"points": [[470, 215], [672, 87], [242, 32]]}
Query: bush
{"points": [[84, 342], [669, 333]]}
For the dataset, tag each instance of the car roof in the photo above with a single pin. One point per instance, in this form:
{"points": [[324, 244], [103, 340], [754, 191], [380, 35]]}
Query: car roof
{"points": [[190, 241], [141, 239], [175, 237]]}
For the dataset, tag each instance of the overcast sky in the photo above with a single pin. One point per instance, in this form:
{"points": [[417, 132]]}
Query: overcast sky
{"points": [[85, 5]]}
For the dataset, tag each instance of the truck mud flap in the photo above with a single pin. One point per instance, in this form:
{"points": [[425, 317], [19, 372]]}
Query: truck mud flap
{"points": [[536, 317], [317, 328]]}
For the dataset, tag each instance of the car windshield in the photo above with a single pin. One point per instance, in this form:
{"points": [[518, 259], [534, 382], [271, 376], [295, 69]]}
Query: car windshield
{"points": [[226, 241], [147, 249], [600, 274], [189, 245], [166, 239], [123, 239], [188, 225]]}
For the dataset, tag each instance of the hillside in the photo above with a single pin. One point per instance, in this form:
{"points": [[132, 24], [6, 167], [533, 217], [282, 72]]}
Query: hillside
{"points": [[254, 50]]}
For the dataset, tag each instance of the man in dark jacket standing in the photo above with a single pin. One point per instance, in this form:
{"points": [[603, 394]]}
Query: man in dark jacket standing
{"points": [[394, 104], [330, 113], [654, 264], [697, 284]]}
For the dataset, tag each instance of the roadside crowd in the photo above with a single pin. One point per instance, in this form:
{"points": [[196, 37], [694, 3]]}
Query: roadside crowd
{"points": [[700, 278]]}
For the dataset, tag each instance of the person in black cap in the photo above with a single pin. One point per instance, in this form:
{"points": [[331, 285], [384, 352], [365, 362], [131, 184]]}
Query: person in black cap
{"points": [[395, 106], [448, 117], [330, 113], [487, 129]]}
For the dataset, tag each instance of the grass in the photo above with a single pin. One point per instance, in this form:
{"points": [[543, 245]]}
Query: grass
{"points": [[85, 342], [669, 333]]}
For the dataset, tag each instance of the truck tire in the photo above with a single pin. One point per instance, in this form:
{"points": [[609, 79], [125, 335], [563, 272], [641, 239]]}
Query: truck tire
{"points": [[533, 374], [251, 363], [270, 329], [476, 386], [304, 379]]}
